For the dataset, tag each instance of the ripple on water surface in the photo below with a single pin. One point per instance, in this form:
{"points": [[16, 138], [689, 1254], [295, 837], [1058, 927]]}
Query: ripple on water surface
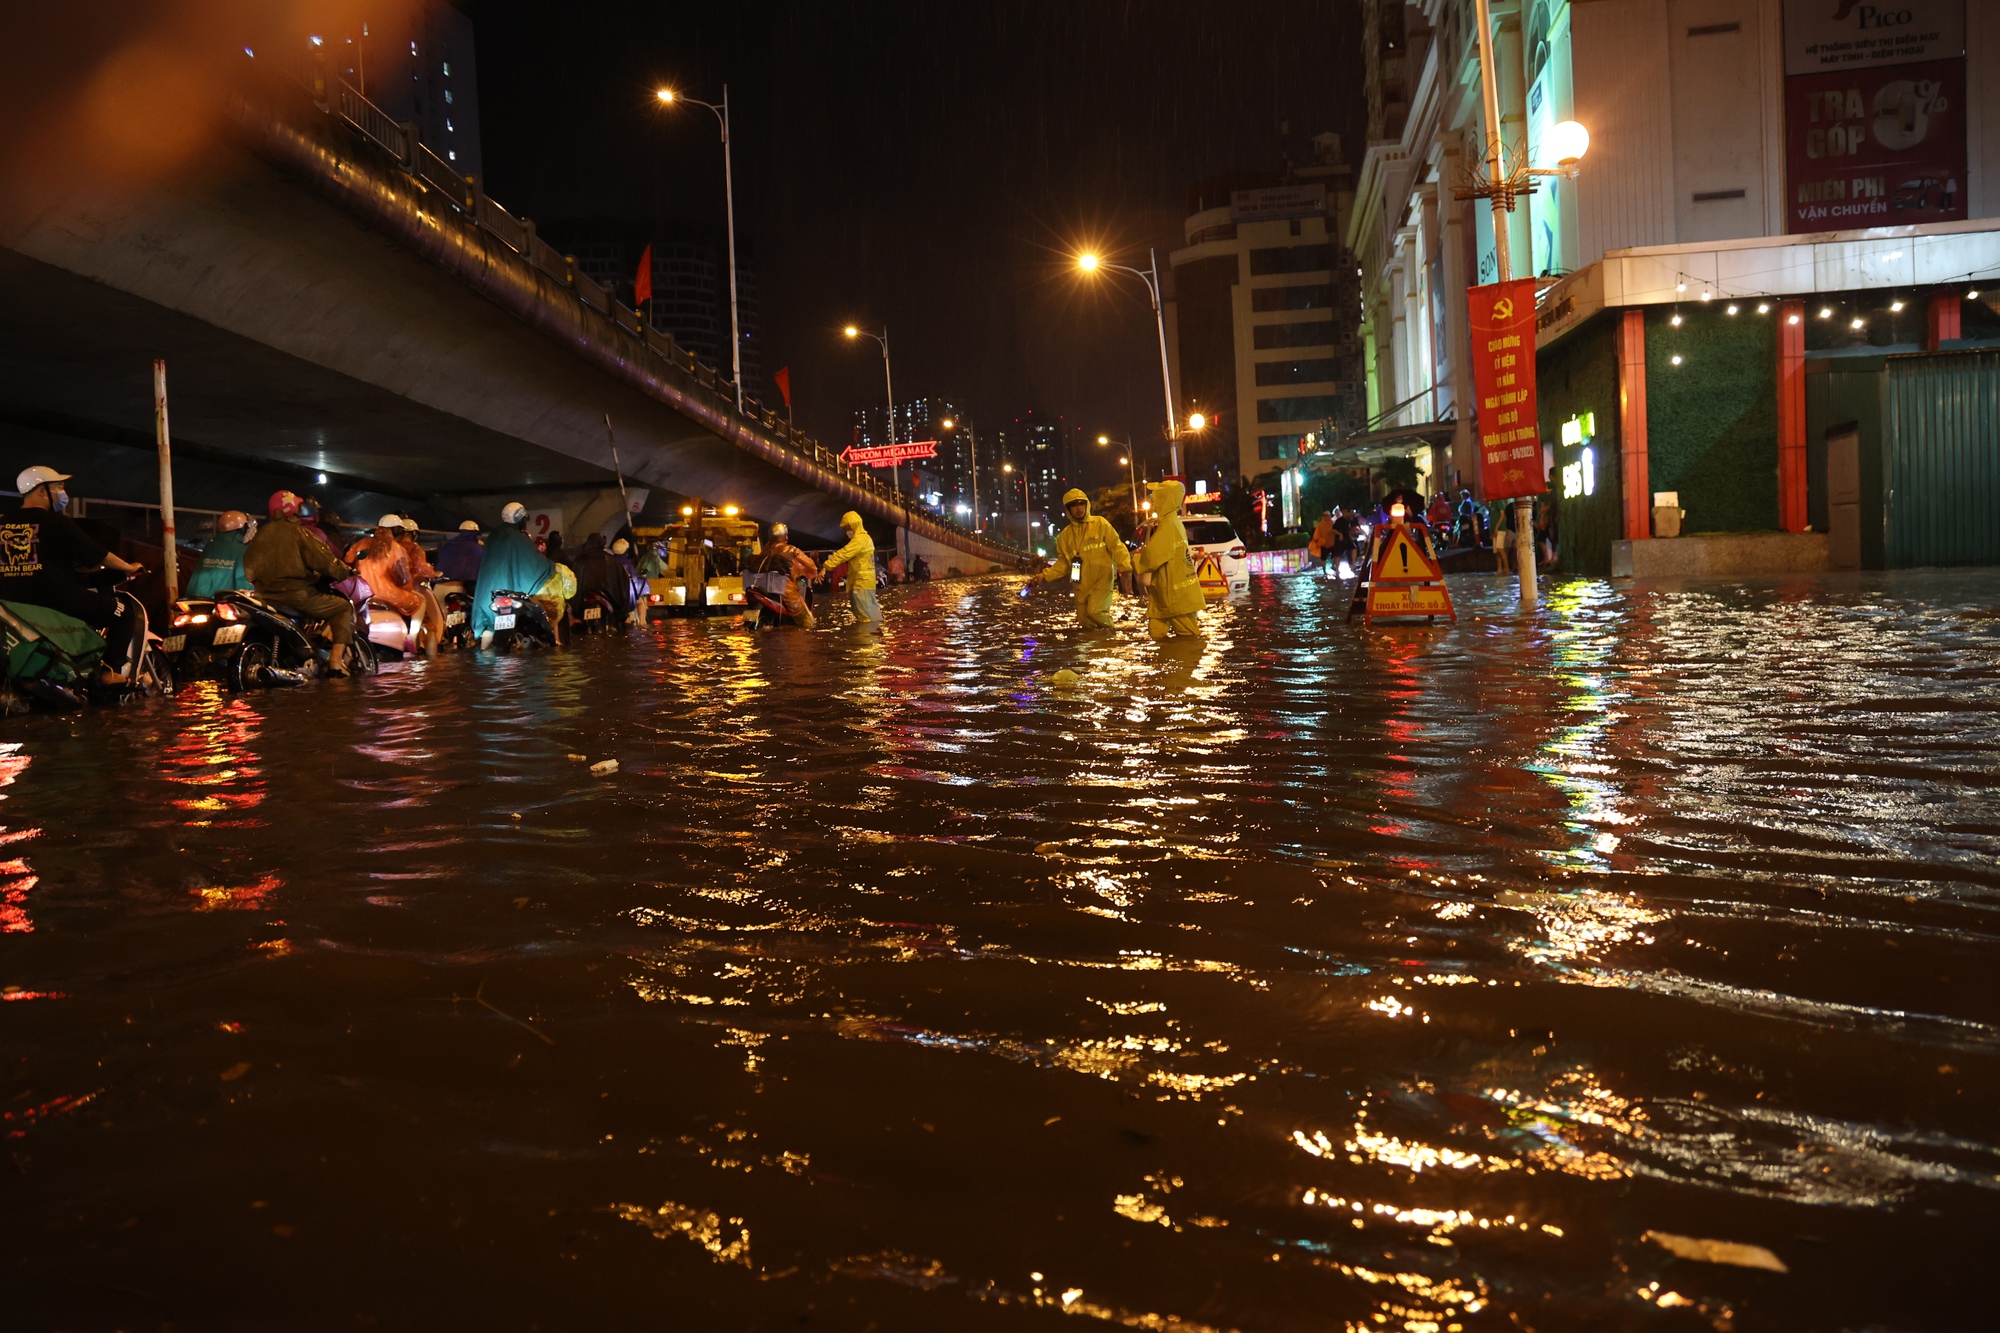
{"points": [[1626, 966]]}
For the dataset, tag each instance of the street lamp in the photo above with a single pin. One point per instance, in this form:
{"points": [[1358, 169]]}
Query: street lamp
{"points": [[853, 333], [668, 97], [1089, 262], [1130, 471], [1008, 468], [972, 438], [1568, 141]]}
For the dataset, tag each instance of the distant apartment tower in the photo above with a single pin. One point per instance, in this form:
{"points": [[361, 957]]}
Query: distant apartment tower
{"points": [[691, 301], [1266, 299], [1042, 450], [418, 66], [944, 483]]}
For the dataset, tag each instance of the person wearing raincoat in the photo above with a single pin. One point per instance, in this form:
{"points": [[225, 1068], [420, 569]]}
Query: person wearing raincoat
{"points": [[1173, 594], [222, 559], [859, 557], [510, 564], [1091, 541], [459, 557]]}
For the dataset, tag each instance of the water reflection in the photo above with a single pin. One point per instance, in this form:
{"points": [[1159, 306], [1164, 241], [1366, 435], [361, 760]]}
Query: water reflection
{"points": [[1301, 976]]}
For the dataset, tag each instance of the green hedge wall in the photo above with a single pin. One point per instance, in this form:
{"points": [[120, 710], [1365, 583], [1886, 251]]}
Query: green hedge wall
{"points": [[1712, 421]]}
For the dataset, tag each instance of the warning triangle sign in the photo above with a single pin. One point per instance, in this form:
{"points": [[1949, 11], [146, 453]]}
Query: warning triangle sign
{"points": [[1403, 561]]}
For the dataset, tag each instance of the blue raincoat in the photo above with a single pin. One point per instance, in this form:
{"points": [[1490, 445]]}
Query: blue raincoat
{"points": [[511, 564]]}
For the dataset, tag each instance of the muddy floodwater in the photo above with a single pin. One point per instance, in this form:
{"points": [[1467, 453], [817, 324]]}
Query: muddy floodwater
{"points": [[1632, 967]]}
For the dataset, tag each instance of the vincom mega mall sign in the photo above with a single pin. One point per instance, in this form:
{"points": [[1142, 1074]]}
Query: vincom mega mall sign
{"points": [[1874, 113]]}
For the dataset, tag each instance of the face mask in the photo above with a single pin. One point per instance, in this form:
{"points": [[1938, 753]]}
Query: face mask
{"points": [[308, 511], [59, 501]]}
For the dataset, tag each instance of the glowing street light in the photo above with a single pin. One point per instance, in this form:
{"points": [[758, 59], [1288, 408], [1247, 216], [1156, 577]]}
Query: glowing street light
{"points": [[1090, 262], [668, 97], [972, 439], [1196, 421], [1130, 473]]}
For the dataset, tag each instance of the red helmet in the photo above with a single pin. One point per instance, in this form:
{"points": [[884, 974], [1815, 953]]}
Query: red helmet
{"points": [[285, 503]]}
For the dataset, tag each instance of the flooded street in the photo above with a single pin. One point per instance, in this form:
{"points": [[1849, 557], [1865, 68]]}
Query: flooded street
{"points": [[1311, 978]]}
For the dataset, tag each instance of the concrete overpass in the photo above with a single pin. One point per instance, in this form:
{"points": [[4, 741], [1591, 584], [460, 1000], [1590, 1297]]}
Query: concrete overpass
{"points": [[332, 300]]}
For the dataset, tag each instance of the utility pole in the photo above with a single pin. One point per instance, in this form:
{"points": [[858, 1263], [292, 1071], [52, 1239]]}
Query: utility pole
{"points": [[1524, 510]]}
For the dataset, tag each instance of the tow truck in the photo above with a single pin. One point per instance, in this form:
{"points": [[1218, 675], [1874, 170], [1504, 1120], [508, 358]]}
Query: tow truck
{"points": [[706, 552]]}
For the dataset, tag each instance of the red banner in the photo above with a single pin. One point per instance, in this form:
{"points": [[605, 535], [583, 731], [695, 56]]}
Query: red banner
{"points": [[1875, 147], [1503, 378], [888, 455]]}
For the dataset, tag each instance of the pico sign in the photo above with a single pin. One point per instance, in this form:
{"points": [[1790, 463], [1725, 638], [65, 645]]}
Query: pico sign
{"points": [[1503, 379]]}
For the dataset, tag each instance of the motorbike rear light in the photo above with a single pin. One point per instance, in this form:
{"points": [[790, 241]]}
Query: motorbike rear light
{"points": [[184, 619], [225, 611], [653, 597], [736, 597]]}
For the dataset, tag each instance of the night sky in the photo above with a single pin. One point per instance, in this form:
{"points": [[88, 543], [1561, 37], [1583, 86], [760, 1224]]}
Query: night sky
{"points": [[931, 165]]}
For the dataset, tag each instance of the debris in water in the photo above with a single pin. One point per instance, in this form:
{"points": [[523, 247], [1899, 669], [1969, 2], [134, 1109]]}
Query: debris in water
{"points": [[1717, 1251], [606, 768], [578, 758], [1064, 679]]}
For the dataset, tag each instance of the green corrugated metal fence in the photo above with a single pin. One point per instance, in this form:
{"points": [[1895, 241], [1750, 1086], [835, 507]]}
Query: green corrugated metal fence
{"points": [[1941, 460]]}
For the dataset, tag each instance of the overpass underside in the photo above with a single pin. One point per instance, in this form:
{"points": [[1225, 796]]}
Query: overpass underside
{"points": [[321, 312]]}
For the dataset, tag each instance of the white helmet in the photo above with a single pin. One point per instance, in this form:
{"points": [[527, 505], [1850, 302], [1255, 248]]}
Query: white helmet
{"points": [[620, 547], [391, 521], [779, 532], [515, 514], [470, 525], [37, 476]]}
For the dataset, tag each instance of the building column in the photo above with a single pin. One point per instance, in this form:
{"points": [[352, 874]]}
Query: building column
{"points": [[1632, 465], [1792, 416], [1942, 321]]}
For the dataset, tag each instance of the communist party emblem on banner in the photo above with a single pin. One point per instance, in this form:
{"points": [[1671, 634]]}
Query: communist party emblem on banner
{"points": [[1503, 378]]}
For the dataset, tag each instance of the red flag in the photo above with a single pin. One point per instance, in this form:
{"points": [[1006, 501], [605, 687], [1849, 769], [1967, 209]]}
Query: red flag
{"points": [[642, 286], [783, 379]]}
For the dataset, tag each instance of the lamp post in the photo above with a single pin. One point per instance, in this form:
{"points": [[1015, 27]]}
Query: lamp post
{"points": [[972, 439], [1089, 262], [667, 97], [1005, 487], [1502, 186], [889, 384], [1131, 471]]}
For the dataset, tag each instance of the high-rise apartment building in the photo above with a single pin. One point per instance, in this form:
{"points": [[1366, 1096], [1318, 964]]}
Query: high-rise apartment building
{"points": [[1042, 452], [691, 301], [418, 66], [1264, 309]]}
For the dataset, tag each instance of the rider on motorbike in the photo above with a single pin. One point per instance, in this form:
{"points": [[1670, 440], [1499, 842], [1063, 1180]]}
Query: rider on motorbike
{"points": [[285, 562], [42, 551], [799, 570], [221, 567], [511, 564]]}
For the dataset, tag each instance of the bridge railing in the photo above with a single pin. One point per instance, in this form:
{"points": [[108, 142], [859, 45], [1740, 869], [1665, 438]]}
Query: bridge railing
{"points": [[464, 196]]}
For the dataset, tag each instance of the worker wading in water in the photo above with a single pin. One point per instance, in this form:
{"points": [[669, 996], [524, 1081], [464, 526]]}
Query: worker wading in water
{"points": [[1173, 594], [1091, 541]]}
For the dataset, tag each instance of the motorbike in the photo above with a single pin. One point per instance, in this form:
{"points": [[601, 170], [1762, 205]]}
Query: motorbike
{"points": [[456, 599], [49, 660], [254, 644], [591, 612], [519, 619], [764, 599]]}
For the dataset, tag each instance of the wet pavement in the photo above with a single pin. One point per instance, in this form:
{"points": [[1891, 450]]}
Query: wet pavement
{"points": [[1468, 978]]}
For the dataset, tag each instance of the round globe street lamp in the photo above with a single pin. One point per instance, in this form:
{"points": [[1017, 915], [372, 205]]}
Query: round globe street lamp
{"points": [[667, 97], [1090, 262]]}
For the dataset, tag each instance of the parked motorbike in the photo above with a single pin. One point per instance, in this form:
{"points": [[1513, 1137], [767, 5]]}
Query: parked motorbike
{"points": [[519, 619]]}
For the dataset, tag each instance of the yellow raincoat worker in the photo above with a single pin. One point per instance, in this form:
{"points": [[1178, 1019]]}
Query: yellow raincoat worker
{"points": [[1091, 539], [859, 557], [1173, 596]]}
